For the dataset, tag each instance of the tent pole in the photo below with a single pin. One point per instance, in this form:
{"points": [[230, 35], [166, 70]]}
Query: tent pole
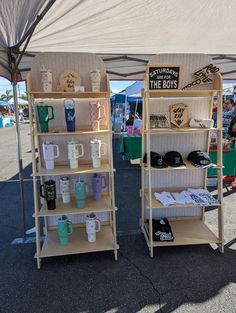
{"points": [[20, 162]]}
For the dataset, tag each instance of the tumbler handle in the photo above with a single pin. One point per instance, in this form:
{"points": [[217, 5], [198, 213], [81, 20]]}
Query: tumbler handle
{"points": [[57, 151], [102, 112], [52, 112], [41, 191], [70, 227], [82, 149], [103, 182], [98, 226]]}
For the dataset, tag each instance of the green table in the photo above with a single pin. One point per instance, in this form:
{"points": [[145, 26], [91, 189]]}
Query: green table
{"points": [[130, 146], [229, 162]]}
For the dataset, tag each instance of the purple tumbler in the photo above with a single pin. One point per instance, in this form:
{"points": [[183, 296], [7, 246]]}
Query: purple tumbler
{"points": [[69, 106], [98, 183]]}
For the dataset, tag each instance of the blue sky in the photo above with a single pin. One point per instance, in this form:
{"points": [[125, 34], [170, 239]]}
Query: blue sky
{"points": [[116, 86]]}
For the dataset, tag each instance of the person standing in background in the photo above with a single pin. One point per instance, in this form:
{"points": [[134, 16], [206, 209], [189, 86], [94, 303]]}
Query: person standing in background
{"points": [[227, 115]]}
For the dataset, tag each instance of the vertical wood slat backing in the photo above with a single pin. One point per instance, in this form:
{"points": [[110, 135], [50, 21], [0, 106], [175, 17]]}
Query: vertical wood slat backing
{"points": [[190, 62], [179, 179], [197, 107], [79, 62], [77, 219]]}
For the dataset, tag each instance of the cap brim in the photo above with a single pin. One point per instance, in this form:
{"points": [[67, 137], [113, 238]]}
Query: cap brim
{"points": [[182, 164], [160, 166]]}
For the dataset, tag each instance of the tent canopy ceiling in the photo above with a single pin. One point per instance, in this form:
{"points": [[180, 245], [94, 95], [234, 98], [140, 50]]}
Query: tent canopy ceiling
{"points": [[135, 28]]}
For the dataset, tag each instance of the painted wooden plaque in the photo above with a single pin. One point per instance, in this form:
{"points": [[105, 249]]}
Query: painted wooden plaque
{"points": [[69, 79], [179, 115]]}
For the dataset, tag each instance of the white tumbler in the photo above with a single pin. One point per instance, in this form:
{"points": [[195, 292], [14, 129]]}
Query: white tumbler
{"points": [[93, 226], [73, 153], [95, 77], [65, 189], [50, 153], [46, 79], [96, 152]]}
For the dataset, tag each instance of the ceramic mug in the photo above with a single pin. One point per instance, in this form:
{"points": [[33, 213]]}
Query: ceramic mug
{"points": [[50, 153], [93, 226], [64, 229]]}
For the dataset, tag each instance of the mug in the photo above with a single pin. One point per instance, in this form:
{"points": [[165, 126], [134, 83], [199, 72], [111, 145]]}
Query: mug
{"points": [[93, 226], [46, 79], [96, 152], [73, 153], [48, 192], [64, 229], [69, 106], [81, 191], [97, 112], [95, 77], [44, 117], [65, 186], [98, 183], [49, 154]]}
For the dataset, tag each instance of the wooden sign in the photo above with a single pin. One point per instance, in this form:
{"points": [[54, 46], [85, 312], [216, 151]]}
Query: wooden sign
{"points": [[69, 79], [179, 115], [203, 76], [164, 77]]}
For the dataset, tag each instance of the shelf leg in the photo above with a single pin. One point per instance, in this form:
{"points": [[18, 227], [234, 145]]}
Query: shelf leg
{"points": [[221, 247], [38, 263], [116, 255], [151, 252]]}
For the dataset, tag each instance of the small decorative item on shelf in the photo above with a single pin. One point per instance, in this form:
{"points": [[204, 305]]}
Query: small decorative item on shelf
{"points": [[98, 183], [46, 79], [68, 80], [65, 189], [81, 191], [64, 229], [73, 153], [201, 123], [79, 88], [69, 106], [97, 113], [48, 192], [43, 116], [95, 77], [160, 120], [179, 115], [96, 151], [50, 153], [93, 226]]}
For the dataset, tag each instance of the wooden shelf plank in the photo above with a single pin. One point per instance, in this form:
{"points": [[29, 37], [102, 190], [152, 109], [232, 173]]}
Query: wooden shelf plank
{"points": [[78, 132], [188, 232], [189, 166], [187, 130], [156, 204], [65, 170], [62, 95], [180, 93], [103, 205], [78, 243]]}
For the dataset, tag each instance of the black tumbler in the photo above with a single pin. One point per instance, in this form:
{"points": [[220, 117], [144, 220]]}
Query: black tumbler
{"points": [[48, 191]]}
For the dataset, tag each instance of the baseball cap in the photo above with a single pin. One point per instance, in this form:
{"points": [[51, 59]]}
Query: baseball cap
{"points": [[156, 160], [173, 158], [199, 159]]}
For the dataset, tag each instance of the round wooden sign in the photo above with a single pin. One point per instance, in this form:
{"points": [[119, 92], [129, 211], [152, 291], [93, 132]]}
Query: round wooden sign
{"points": [[69, 79]]}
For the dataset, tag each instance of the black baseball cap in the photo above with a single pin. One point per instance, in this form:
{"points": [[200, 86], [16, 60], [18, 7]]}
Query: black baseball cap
{"points": [[199, 159], [173, 158], [156, 160]]}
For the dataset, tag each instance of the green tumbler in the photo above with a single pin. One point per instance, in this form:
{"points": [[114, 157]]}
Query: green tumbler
{"points": [[64, 229], [45, 114]]}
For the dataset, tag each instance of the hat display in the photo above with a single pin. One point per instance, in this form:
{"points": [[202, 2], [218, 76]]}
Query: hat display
{"points": [[156, 160], [199, 159], [173, 158]]}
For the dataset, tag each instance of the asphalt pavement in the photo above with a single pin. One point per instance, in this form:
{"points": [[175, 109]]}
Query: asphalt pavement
{"points": [[178, 279]]}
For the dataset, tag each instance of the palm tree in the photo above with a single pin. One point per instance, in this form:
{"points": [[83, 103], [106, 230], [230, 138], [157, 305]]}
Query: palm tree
{"points": [[7, 95]]}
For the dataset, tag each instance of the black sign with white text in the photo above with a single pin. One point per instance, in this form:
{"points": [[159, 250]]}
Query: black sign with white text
{"points": [[164, 77]]}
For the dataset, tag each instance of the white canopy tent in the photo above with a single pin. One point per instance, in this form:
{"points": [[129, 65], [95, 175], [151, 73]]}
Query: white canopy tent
{"points": [[125, 34]]}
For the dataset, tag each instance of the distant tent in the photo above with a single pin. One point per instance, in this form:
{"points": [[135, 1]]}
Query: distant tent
{"points": [[20, 101]]}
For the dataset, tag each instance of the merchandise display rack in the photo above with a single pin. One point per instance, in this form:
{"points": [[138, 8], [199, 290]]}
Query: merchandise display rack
{"points": [[187, 221], [78, 243]]}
